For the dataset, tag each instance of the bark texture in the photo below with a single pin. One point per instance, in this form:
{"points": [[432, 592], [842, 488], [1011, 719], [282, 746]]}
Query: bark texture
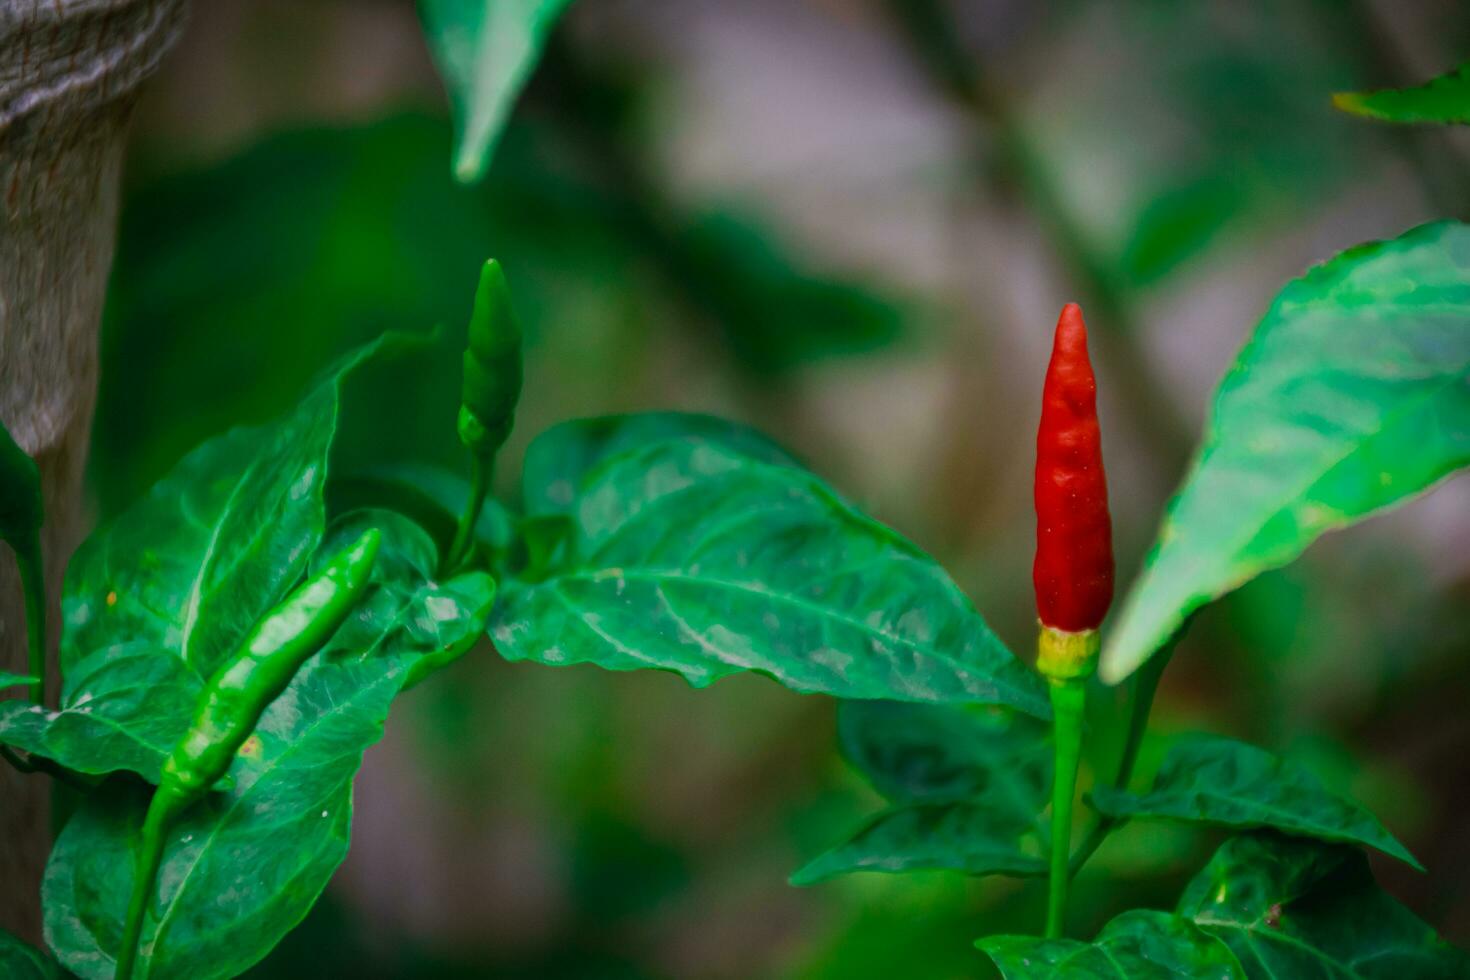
{"points": [[69, 71]]}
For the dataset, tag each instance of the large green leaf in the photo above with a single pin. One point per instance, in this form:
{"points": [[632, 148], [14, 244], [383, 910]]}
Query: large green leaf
{"points": [[21, 962], [688, 556], [978, 838], [485, 50], [242, 868], [1290, 907], [1220, 781], [970, 782], [924, 753], [1353, 394], [1445, 99], [1137, 945], [154, 600], [561, 457], [434, 497]]}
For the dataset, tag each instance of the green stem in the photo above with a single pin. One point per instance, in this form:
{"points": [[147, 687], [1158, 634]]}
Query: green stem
{"points": [[33, 583], [464, 533], [162, 810], [1068, 701], [1145, 686]]}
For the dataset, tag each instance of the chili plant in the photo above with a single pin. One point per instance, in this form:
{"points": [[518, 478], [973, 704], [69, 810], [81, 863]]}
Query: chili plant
{"points": [[233, 642]]}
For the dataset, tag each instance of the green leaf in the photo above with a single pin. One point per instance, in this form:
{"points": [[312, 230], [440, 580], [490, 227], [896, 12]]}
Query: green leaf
{"points": [[123, 708], [1445, 99], [7, 679], [970, 780], [19, 961], [485, 51], [1137, 945], [690, 557], [1351, 396], [561, 457], [1213, 780], [978, 838], [921, 753], [1290, 907], [433, 497], [242, 868], [21, 511], [155, 600]]}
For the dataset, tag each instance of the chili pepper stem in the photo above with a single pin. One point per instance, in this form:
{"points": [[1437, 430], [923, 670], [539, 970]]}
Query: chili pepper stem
{"points": [[1146, 685], [1068, 700], [464, 532], [162, 810], [33, 584]]}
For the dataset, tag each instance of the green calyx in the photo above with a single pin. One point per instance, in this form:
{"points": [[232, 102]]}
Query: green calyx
{"points": [[492, 367], [1067, 655]]}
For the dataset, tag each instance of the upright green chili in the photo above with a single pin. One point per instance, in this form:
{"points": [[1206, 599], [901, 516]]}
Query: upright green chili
{"points": [[488, 394], [1073, 571], [21, 515], [232, 702]]}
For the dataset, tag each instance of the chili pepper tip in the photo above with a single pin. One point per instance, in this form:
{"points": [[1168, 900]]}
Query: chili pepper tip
{"points": [[1073, 571]]}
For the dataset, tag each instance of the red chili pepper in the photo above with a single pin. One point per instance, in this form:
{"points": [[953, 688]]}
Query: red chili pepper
{"points": [[1073, 573]]}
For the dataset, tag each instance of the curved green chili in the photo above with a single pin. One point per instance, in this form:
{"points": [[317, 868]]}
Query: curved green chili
{"points": [[232, 702]]}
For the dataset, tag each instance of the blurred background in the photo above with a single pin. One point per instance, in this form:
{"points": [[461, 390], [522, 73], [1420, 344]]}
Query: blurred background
{"points": [[850, 223]]}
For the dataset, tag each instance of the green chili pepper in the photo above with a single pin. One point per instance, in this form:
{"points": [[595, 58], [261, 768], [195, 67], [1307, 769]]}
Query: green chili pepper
{"points": [[488, 395], [492, 367], [232, 702], [21, 514]]}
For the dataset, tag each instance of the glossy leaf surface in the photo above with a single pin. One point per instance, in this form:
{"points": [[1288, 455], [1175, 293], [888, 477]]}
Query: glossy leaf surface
{"points": [[1445, 99], [485, 51], [433, 496], [978, 838], [1352, 395], [155, 600], [688, 556], [242, 868], [1290, 907], [561, 457], [1137, 945], [19, 961], [1220, 781], [969, 781], [919, 753]]}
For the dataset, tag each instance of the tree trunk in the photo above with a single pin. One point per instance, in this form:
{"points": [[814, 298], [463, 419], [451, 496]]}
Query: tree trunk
{"points": [[69, 70]]}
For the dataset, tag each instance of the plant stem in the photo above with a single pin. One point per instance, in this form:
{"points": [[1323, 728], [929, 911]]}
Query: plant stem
{"points": [[1145, 686], [464, 533], [1068, 701], [161, 812], [33, 583]]}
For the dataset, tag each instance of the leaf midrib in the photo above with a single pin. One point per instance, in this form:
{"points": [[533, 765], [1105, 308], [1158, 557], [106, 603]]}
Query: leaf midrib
{"points": [[292, 747], [656, 577]]}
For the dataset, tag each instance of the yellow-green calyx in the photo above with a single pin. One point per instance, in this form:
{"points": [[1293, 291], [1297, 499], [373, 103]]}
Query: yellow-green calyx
{"points": [[1063, 655]]}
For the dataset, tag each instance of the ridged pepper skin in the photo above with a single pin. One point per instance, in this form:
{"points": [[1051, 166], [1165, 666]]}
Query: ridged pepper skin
{"points": [[492, 367], [1073, 571]]}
